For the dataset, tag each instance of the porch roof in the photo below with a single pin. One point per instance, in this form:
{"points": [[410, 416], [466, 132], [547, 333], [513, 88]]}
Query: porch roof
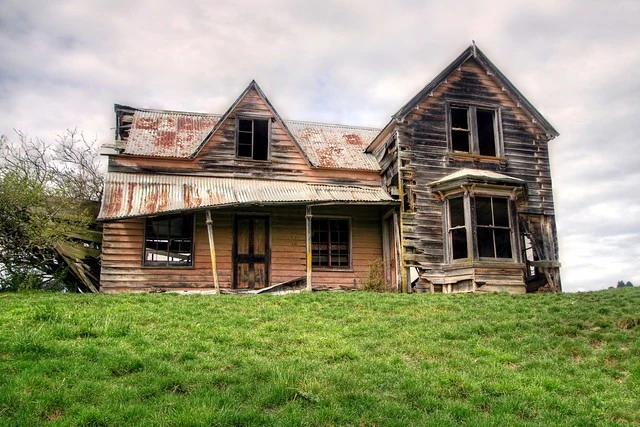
{"points": [[129, 195]]}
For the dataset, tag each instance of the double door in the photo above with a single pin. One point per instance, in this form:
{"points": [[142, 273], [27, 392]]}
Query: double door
{"points": [[251, 252]]}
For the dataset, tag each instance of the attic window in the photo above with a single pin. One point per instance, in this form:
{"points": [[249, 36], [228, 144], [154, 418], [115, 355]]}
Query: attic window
{"points": [[474, 130], [253, 139]]}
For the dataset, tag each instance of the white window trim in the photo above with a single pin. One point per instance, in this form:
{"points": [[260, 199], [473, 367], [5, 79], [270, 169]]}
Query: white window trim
{"points": [[471, 227]]}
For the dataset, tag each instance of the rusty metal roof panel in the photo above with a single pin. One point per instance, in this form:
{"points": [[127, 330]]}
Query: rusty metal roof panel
{"points": [[179, 134], [168, 133], [133, 195], [335, 146]]}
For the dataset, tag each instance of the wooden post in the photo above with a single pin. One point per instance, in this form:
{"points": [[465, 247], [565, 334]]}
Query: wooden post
{"points": [[309, 263], [212, 249], [403, 209]]}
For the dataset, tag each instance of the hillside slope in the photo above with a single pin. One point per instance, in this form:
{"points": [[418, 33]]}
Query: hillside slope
{"points": [[320, 359]]}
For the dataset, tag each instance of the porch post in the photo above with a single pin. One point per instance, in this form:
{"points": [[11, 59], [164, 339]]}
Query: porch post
{"points": [[212, 249], [309, 263]]}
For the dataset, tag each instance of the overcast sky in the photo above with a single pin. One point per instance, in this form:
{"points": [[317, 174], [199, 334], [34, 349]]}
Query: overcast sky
{"points": [[63, 64]]}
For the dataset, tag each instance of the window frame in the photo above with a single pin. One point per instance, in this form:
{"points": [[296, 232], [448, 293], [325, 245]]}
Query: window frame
{"points": [[470, 216], [155, 264], [253, 119], [349, 267], [473, 132]]}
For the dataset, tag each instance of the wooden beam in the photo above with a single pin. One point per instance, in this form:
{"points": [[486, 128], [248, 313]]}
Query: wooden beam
{"points": [[309, 263], [212, 251], [403, 209]]}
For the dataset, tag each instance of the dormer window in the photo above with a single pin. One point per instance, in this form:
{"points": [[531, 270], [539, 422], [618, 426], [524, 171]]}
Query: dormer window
{"points": [[474, 130], [253, 139]]}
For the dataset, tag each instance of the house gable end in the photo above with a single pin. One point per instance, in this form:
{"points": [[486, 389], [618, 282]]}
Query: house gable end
{"points": [[252, 105], [473, 53]]}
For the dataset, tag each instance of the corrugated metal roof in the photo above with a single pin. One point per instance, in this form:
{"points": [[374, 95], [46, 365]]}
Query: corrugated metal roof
{"points": [[168, 133], [132, 195], [335, 146], [179, 134]]}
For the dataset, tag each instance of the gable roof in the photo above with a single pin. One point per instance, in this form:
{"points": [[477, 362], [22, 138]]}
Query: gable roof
{"points": [[474, 52], [179, 134], [167, 133], [252, 86], [335, 146]]}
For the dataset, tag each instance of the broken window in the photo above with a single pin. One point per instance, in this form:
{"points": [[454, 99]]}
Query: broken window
{"points": [[457, 229], [473, 130], [460, 129], [169, 241], [490, 233], [253, 139], [330, 243]]}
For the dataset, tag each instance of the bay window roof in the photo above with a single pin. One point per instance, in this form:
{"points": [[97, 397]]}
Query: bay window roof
{"points": [[465, 177]]}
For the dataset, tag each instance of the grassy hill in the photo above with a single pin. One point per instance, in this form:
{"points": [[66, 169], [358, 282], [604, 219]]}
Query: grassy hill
{"points": [[320, 359]]}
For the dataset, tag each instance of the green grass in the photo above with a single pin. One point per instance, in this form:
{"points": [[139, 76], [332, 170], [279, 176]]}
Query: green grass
{"points": [[320, 359]]}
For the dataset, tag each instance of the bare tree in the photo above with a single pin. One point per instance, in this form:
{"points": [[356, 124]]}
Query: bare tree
{"points": [[48, 198]]}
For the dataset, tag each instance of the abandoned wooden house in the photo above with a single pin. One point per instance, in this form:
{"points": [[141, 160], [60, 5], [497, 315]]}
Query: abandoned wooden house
{"points": [[452, 195]]}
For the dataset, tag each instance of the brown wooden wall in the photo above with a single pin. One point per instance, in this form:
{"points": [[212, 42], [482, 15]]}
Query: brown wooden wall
{"points": [[424, 157], [123, 243], [218, 157]]}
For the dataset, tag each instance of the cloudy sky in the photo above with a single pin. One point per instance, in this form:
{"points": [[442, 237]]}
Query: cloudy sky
{"points": [[63, 64]]}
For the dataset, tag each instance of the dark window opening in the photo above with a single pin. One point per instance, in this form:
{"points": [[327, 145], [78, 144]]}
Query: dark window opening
{"points": [[460, 131], [473, 130], [492, 222], [486, 132], [330, 243], [169, 241], [457, 229], [253, 139]]}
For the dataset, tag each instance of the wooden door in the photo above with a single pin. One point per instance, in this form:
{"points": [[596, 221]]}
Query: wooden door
{"points": [[251, 252]]}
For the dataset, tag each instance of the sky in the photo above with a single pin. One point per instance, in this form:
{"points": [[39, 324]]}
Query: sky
{"points": [[63, 64]]}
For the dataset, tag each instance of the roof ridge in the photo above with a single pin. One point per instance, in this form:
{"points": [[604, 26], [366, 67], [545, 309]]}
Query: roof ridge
{"points": [[190, 113], [219, 115], [306, 122]]}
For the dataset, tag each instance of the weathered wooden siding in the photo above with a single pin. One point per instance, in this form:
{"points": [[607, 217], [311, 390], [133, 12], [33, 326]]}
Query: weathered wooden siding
{"points": [[424, 157], [123, 243]]}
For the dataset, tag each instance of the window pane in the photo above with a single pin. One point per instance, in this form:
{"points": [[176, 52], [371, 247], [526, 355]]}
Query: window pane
{"points": [[483, 211], [244, 138], [245, 125], [180, 226], [244, 150], [485, 242], [261, 140], [459, 118], [486, 133], [459, 243], [500, 212], [503, 243], [456, 212], [460, 140]]}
